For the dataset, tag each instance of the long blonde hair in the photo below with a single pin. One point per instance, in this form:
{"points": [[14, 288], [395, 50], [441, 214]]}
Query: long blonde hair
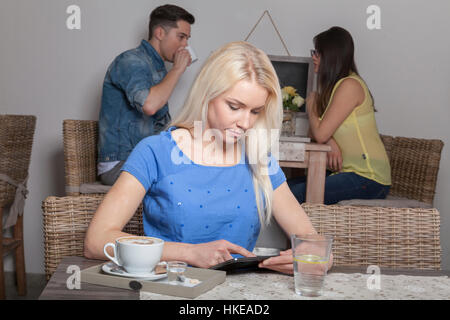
{"points": [[226, 66]]}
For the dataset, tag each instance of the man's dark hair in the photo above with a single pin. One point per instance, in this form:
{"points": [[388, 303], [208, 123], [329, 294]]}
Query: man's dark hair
{"points": [[167, 16]]}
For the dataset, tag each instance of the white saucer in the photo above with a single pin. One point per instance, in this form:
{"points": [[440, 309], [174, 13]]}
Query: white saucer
{"points": [[112, 268]]}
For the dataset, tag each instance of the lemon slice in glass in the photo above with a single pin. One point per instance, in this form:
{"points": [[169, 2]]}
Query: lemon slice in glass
{"points": [[311, 259]]}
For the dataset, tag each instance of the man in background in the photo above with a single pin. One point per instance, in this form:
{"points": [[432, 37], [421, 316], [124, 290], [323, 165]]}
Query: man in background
{"points": [[137, 88]]}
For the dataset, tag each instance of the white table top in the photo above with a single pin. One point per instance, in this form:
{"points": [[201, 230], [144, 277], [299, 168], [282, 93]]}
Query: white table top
{"points": [[339, 286]]}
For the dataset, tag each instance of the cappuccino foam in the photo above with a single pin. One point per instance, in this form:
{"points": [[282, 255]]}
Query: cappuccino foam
{"points": [[137, 240]]}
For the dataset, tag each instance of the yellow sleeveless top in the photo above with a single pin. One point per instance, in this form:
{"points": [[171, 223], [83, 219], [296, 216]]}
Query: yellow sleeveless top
{"points": [[362, 150]]}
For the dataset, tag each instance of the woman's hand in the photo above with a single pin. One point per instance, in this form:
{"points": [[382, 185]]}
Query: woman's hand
{"points": [[284, 262], [334, 157], [205, 255], [330, 262]]}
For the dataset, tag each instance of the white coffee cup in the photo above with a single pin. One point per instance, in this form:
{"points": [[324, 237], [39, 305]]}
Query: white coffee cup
{"points": [[136, 254], [192, 53]]}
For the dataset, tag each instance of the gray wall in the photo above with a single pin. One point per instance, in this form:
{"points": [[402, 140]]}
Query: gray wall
{"points": [[56, 73]]}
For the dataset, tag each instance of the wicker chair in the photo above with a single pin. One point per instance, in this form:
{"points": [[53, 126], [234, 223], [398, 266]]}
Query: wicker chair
{"points": [[66, 220], [387, 237], [80, 157], [414, 166], [398, 238], [16, 140], [414, 170]]}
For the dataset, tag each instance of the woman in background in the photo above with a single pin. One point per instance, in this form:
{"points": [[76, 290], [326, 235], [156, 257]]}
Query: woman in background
{"points": [[341, 114]]}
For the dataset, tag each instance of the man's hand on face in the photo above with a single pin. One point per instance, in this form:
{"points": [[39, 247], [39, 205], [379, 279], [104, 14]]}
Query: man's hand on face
{"points": [[182, 59]]}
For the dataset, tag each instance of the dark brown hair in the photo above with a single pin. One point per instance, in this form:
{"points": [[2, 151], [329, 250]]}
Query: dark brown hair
{"points": [[336, 51], [167, 16]]}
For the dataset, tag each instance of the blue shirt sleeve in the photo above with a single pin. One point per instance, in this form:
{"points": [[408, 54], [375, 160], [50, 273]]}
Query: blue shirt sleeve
{"points": [[276, 174], [132, 75], [142, 164]]}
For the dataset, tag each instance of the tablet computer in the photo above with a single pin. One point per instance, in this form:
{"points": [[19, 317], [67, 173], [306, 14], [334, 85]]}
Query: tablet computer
{"points": [[247, 263]]}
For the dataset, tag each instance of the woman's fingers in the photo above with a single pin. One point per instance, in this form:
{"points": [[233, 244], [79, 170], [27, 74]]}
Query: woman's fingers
{"points": [[281, 259], [223, 250], [330, 262], [285, 268], [329, 162], [205, 255], [285, 252], [234, 248], [282, 263], [333, 162]]}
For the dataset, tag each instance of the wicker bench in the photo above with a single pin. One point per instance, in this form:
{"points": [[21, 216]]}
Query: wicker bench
{"points": [[414, 162], [414, 171], [387, 237]]}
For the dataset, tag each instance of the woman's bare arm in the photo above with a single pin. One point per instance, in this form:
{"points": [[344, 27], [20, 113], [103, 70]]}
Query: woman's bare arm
{"points": [[119, 206], [347, 97], [116, 209]]}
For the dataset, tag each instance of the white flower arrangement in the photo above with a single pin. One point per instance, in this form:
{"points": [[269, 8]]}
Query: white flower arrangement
{"points": [[291, 99]]}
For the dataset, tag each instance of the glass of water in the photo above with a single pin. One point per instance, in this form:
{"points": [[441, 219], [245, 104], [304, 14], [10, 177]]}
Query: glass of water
{"points": [[311, 254], [175, 271]]}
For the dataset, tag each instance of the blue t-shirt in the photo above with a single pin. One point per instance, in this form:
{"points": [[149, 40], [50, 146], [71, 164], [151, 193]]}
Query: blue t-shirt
{"points": [[191, 203]]}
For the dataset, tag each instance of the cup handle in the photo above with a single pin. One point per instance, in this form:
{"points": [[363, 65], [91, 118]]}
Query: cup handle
{"points": [[113, 259]]}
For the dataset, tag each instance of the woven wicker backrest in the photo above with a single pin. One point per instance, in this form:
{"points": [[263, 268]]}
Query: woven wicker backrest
{"points": [[414, 166], [414, 162], [387, 237], [80, 153], [388, 142], [66, 220], [16, 141]]}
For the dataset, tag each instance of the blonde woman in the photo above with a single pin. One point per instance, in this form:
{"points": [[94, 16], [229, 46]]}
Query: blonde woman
{"points": [[208, 183]]}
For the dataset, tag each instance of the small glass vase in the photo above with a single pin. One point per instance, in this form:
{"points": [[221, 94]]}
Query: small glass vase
{"points": [[288, 126]]}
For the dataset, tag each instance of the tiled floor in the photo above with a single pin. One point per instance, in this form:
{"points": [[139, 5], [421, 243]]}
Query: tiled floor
{"points": [[35, 284]]}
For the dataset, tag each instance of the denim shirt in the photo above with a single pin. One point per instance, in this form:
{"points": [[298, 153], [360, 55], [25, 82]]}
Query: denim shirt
{"points": [[122, 122]]}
